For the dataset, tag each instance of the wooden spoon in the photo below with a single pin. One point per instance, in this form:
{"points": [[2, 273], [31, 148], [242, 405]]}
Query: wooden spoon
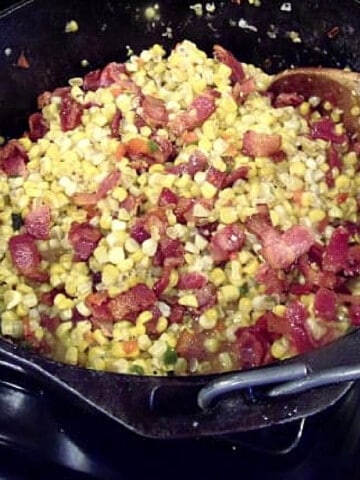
{"points": [[340, 87]]}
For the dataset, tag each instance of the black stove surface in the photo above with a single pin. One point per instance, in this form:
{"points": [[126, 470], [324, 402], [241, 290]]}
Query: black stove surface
{"points": [[44, 436]]}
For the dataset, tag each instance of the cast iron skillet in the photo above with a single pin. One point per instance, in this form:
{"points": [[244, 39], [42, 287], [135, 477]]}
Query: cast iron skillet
{"points": [[165, 407]]}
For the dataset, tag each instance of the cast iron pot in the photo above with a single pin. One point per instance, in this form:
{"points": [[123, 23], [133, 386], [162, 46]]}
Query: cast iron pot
{"points": [[166, 407]]}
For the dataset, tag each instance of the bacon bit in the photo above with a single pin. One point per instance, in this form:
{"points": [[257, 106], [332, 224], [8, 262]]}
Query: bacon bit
{"points": [[45, 97], [260, 144], [177, 313], [224, 56], [250, 348], [191, 281], [98, 303], [199, 110], [49, 323], [162, 283], [92, 80], [241, 91], [154, 112], [280, 250], [278, 157], [190, 344], [240, 173], [197, 163], [215, 177], [90, 199], [113, 73], [353, 260], [132, 203], [22, 61], [26, 257], [84, 238], [354, 314], [336, 253], [273, 281], [184, 210], [115, 124], [70, 113], [334, 160], [317, 277], [13, 159], [324, 129], [134, 300], [47, 298], [325, 303], [167, 197], [138, 231], [37, 126], [288, 100], [296, 315], [206, 297], [207, 229], [169, 253], [226, 241], [37, 222]]}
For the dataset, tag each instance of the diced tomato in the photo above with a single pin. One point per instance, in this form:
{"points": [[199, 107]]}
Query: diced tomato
{"points": [[26, 257], [37, 222], [226, 241], [136, 299], [13, 159], [84, 237], [261, 144]]}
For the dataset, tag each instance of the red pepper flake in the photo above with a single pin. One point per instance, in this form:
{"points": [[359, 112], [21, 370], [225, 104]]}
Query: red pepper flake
{"points": [[333, 32], [22, 61]]}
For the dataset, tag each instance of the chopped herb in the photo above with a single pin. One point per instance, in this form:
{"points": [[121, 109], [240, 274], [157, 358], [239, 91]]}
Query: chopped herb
{"points": [[153, 146], [243, 290], [170, 356], [137, 369], [17, 221]]}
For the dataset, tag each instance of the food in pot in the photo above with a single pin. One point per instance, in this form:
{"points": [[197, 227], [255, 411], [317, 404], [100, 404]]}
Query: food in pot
{"points": [[169, 215]]}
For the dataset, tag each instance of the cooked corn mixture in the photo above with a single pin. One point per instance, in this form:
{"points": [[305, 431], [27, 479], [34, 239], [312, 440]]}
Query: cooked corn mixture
{"points": [[169, 215]]}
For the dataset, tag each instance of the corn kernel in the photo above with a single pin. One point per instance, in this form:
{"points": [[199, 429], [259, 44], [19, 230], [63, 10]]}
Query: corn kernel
{"points": [[189, 301], [217, 276]]}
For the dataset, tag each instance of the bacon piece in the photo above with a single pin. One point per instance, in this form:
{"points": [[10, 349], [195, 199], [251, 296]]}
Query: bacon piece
{"points": [[185, 209], [165, 151], [115, 124], [132, 203], [134, 300], [26, 257], [191, 281], [224, 56], [207, 229], [197, 163], [98, 303], [280, 250], [317, 277], [226, 241], [325, 303], [296, 315], [250, 348], [334, 160], [325, 130], [37, 126], [177, 313], [84, 238], [260, 144], [89, 199], [49, 323], [353, 262], [154, 111], [13, 159], [271, 279], [215, 177], [240, 173], [199, 110], [162, 283], [242, 90], [354, 314], [37, 222], [288, 100], [138, 231], [92, 80], [167, 197], [206, 297], [190, 345], [112, 73], [70, 113], [337, 251], [169, 252]]}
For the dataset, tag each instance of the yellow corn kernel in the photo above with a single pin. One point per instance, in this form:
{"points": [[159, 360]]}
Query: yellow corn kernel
{"points": [[297, 168], [228, 215], [304, 108], [72, 355], [101, 254], [116, 255], [208, 190], [217, 276], [99, 337], [245, 305], [22, 310], [12, 298], [279, 310], [144, 317], [252, 267], [110, 274], [126, 265], [342, 182], [316, 215], [280, 348], [63, 303], [72, 26], [189, 301], [119, 193], [211, 345], [161, 325], [228, 293]]}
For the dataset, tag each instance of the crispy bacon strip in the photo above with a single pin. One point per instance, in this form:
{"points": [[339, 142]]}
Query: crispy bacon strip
{"points": [[84, 238], [26, 257], [226, 241], [224, 56], [70, 113], [89, 199], [280, 250], [37, 222], [136, 299], [154, 111], [13, 159]]}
